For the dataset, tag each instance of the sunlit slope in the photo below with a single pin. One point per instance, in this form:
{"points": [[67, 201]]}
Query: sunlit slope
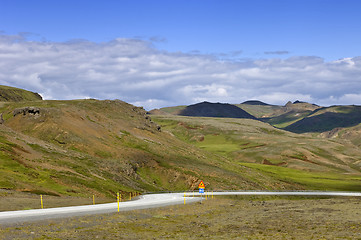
{"points": [[326, 119], [11, 94], [350, 134], [260, 109], [323, 163], [85, 147]]}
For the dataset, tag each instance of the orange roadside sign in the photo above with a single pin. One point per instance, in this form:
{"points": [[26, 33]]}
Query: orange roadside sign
{"points": [[201, 185]]}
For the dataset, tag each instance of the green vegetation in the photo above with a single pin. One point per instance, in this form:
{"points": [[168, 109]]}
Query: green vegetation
{"points": [[86, 147], [299, 160], [218, 144], [11, 94], [313, 180], [260, 111], [173, 110], [287, 119], [326, 119]]}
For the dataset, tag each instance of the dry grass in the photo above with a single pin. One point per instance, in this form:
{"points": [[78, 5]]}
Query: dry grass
{"points": [[219, 218], [12, 201]]}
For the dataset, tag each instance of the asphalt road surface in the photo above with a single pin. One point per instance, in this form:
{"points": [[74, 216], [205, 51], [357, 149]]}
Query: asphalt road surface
{"points": [[144, 201]]}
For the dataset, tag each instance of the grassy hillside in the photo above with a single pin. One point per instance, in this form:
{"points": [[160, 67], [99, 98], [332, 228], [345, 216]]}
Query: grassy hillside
{"points": [[207, 109], [11, 94], [86, 147], [286, 119], [301, 117], [173, 110], [326, 119], [260, 110], [309, 161], [350, 134]]}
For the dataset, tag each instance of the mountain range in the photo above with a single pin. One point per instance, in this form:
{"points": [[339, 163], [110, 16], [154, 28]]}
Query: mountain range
{"points": [[297, 117]]}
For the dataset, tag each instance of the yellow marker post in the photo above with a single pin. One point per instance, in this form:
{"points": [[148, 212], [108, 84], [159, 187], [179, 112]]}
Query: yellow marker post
{"points": [[118, 200], [212, 194], [41, 201], [93, 200], [130, 196]]}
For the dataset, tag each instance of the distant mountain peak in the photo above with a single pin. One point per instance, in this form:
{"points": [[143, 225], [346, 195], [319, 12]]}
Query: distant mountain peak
{"points": [[298, 104], [255, 102], [207, 109]]}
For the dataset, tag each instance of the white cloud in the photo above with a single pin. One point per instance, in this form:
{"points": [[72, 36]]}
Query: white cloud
{"points": [[136, 72]]}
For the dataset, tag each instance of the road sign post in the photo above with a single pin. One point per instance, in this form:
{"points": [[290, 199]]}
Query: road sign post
{"points": [[201, 188]]}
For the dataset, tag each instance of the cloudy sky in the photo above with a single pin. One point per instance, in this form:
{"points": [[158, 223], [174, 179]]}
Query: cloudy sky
{"points": [[156, 53]]}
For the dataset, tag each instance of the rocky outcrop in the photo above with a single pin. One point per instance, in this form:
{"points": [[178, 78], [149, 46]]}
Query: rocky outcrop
{"points": [[148, 124], [27, 111]]}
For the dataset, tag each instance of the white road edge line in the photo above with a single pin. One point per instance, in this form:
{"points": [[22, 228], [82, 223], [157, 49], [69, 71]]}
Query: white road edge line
{"points": [[143, 202]]}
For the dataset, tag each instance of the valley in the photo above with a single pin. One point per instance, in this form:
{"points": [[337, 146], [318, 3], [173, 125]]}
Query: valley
{"points": [[81, 148]]}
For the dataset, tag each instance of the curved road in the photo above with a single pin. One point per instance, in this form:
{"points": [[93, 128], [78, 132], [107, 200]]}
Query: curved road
{"points": [[145, 201]]}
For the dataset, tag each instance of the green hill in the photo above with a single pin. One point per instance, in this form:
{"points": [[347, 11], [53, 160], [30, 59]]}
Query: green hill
{"points": [[302, 117], [349, 134], [207, 109], [85, 147], [173, 110], [260, 111], [305, 160], [326, 119], [11, 94]]}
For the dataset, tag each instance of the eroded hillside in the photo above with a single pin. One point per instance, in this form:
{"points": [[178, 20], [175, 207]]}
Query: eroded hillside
{"points": [[84, 147]]}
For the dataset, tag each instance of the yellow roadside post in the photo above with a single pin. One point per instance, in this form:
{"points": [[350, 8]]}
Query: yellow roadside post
{"points": [[118, 200], [41, 201], [212, 194], [93, 200], [130, 196]]}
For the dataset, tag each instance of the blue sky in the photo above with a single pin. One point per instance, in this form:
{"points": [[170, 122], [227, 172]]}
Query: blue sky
{"points": [[326, 28], [236, 37]]}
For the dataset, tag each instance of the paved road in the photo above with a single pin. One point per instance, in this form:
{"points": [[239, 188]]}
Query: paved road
{"points": [[144, 201]]}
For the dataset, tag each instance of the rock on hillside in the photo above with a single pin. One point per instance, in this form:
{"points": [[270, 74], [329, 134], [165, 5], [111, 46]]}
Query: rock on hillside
{"points": [[11, 94], [207, 109]]}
